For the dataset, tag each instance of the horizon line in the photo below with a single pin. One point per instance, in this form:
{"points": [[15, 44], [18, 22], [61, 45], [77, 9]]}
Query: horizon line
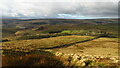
{"points": [[61, 18]]}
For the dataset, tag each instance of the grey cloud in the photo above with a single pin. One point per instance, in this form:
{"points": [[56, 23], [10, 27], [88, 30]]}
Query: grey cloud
{"points": [[52, 9]]}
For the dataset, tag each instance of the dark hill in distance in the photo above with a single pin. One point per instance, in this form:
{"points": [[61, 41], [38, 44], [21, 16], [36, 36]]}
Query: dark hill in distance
{"points": [[57, 21], [11, 26]]}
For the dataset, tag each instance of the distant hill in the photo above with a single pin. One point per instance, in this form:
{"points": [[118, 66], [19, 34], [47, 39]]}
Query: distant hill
{"points": [[11, 26], [58, 21]]}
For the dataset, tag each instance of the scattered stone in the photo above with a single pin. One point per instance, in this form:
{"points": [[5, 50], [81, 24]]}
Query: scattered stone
{"points": [[79, 60]]}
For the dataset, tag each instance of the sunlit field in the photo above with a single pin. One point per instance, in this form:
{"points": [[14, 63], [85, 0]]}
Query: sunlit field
{"points": [[26, 45], [60, 42]]}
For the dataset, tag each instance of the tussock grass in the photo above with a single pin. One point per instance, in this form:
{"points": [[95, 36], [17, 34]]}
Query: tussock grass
{"points": [[100, 46], [43, 43]]}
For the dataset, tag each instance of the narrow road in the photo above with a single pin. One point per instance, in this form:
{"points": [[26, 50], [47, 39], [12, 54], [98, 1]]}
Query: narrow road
{"points": [[68, 44]]}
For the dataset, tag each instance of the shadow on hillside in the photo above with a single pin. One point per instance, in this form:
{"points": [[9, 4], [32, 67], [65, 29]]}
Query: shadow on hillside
{"points": [[32, 58]]}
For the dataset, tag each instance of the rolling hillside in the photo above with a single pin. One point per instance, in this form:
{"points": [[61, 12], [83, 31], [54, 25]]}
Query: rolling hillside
{"points": [[65, 42]]}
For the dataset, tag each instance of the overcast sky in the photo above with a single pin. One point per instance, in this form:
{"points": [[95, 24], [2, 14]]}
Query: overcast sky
{"points": [[72, 9]]}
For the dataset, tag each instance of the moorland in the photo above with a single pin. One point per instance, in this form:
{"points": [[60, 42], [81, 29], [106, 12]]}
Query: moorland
{"points": [[61, 42]]}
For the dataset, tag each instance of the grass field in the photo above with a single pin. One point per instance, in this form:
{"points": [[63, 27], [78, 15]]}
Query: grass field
{"points": [[42, 43], [101, 46]]}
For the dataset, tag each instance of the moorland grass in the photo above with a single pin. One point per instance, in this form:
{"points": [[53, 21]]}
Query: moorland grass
{"points": [[43, 43]]}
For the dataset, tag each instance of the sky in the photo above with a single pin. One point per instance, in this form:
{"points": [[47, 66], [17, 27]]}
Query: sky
{"points": [[68, 9]]}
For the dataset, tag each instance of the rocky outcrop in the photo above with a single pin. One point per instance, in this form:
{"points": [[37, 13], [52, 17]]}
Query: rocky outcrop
{"points": [[88, 60]]}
